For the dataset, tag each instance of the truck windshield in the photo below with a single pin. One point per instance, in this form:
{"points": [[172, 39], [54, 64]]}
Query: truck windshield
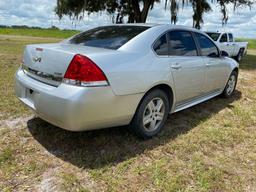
{"points": [[214, 36], [108, 37]]}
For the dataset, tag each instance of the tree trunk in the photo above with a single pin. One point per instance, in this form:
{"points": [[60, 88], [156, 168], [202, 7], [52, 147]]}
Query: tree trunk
{"points": [[136, 11], [145, 10], [137, 15]]}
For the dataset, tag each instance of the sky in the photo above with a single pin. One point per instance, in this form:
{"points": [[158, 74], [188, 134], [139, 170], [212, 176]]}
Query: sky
{"points": [[242, 21]]}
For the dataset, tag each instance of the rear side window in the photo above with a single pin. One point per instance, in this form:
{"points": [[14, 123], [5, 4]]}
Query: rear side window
{"points": [[161, 46], [224, 38], [230, 37], [181, 43], [109, 37], [208, 48], [214, 36]]}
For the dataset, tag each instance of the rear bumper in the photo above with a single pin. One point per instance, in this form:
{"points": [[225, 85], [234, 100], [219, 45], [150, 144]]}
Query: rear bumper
{"points": [[76, 108]]}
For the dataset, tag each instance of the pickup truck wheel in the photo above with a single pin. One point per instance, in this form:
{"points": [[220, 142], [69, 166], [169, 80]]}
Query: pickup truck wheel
{"points": [[231, 85], [239, 55], [151, 114]]}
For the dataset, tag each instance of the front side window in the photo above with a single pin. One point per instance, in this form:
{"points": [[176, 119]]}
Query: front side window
{"points": [[230, 36], [161, 46], [224, 38], [208, 48], [108, 37], [181, 43]]}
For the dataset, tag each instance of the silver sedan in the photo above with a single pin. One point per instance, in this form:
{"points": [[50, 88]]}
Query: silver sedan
{"points": [[123, 75]]}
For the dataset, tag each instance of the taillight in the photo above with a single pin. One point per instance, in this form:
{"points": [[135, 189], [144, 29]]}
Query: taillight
{"points": [[84, 72]]}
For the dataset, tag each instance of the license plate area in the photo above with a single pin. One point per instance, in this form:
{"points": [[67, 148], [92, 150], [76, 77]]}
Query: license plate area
{"points": [[28, 97], [30, 93]]}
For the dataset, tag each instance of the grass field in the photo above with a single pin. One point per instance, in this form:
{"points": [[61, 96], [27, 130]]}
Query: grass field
{"points": [[251, 42], [210, 147], [55, 33]]}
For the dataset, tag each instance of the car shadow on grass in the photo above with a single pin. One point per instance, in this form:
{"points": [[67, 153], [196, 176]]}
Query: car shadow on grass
{"points": [[106, 147]]}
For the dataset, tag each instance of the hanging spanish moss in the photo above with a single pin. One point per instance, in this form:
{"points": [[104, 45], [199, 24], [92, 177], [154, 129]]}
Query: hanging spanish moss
{"points": [[136, 11]]}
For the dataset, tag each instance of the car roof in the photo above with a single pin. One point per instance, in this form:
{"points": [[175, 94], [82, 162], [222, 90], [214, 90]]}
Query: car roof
{"points": [[179, 27], [156, 25], [164, 26], [152, 25]]}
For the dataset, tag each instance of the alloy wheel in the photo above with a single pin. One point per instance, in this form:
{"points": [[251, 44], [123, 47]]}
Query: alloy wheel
{"points": [[231, 84], [153, 114]]}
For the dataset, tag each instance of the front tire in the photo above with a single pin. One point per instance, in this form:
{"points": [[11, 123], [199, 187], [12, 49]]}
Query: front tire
{"points": [[231, 85], [151, 114]]}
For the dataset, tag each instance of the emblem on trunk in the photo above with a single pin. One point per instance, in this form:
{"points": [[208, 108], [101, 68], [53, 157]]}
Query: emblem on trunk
{"points": [[37, 59]]}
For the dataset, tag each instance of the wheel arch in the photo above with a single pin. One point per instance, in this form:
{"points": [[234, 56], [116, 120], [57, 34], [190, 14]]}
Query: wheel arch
{"points": [[164, 87], [233, 65], [236, 70]]}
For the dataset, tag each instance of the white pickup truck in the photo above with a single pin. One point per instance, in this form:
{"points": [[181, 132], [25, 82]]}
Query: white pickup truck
{"points": [[226, 43]]}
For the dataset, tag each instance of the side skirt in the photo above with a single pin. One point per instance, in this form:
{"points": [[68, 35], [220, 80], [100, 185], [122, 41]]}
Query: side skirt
{"points": [[194, 101]]}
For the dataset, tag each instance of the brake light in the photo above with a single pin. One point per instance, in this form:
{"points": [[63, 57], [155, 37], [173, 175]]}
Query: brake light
{"points": [[84, 72], [39, 49]]}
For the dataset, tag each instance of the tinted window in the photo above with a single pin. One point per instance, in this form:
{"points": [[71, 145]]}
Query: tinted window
{"points": [[207, 46], [109, 37], [214, 36], [161, 46], [230, 36], [224, 38], [181, 43]]}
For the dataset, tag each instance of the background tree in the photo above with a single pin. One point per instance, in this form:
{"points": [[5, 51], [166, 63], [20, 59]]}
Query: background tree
{"points": [[131, 8], [137, 10], [202, 6]]}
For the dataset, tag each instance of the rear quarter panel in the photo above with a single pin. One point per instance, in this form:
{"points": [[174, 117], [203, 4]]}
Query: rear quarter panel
{"points": [[132, 73]]}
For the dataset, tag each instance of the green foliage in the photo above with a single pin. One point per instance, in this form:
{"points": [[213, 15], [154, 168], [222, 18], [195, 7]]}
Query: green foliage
{"points": [[6, 155], [137, 10], [251, 42], [75, 9]]}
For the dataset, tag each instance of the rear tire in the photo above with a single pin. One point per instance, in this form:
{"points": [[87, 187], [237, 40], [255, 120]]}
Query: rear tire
{"points": [[231, 85], [238, 58], [151, 114]]}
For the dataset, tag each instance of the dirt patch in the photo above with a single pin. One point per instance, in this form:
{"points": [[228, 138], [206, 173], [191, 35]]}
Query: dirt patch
{"points": [[55, 179], [14, 123], [89, 183], [49, 183]]}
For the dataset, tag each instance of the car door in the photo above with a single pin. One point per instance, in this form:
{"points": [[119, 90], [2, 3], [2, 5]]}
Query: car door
{"points": [[233, 47], [225, 45], [187, 68], [216, 68]]}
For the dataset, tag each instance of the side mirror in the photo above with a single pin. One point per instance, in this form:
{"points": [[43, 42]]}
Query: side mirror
{"points": [[224, 54]]}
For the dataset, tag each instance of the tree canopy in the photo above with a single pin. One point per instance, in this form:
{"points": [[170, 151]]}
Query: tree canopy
{"points": [[137, 10]]}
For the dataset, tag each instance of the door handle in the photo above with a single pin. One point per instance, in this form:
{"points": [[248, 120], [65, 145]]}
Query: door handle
{"points": [[176, 66], [208, 64]]}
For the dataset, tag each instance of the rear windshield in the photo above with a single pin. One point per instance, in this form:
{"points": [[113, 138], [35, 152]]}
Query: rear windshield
{"points": [[109, 37], [214, 36]]}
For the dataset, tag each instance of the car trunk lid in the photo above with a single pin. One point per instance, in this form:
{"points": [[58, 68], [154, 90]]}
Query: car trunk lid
{"points": [[49, 62]]}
